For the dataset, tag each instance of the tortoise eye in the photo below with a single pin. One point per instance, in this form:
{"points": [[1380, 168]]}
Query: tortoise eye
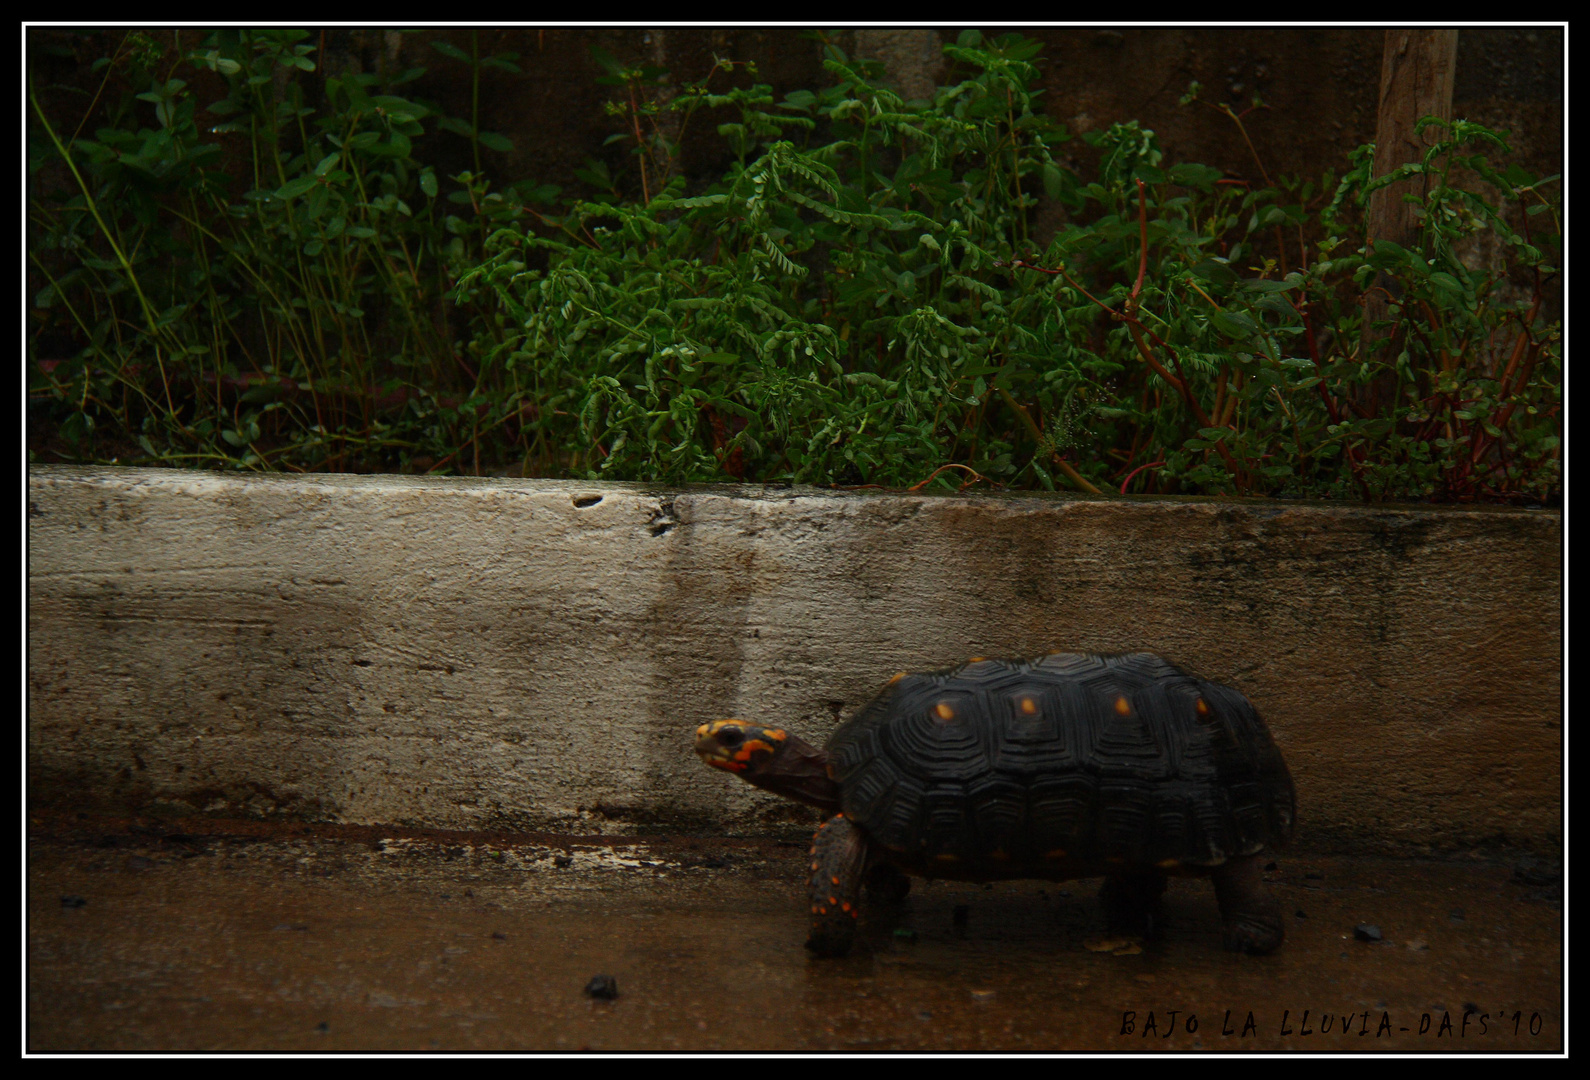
{"points": [[731, 736]]}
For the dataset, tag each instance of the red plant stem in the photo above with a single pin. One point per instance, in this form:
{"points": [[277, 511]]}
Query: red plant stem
{"points": [[1142, 260], [1140, 468]]}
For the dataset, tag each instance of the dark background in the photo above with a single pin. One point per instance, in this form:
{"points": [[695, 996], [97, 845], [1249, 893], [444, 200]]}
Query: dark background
{"points": [[1321, 85]]}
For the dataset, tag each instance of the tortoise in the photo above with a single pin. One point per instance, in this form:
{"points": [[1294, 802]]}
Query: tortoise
{"points": [[1067, 766]]}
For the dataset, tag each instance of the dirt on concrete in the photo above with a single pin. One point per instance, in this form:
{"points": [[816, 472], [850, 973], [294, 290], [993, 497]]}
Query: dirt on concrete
{"points": [[212, 936]]}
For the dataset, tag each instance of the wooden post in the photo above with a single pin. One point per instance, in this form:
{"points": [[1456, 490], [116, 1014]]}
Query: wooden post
{"points": [[1416, 75]]}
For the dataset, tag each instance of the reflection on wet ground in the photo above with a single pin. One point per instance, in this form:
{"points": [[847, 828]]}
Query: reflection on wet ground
{"points": [[235, 936]]}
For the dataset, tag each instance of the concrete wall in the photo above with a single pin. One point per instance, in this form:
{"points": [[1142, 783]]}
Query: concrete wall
{"points": [[529, 653]]}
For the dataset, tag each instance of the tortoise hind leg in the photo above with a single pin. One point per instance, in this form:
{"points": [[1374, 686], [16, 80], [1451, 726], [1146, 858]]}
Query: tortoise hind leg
{"points": [[1131, 902], [1252, 916], [839, 861]]}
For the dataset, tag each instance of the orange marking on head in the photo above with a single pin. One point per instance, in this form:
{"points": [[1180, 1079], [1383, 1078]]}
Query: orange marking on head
{"points": [[943, 711], [1203, 707], [1123, 706], [1029, 706], [977, 660], [897, 677], [744, 753], [839, 815], [731, 766]]}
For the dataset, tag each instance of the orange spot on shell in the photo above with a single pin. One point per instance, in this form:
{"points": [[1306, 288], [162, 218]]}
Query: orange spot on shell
{"points": [[1029, 706], [845, 906], [834, 879], [1123, 706], [1203, 707], [943, 711], [833, 899]]}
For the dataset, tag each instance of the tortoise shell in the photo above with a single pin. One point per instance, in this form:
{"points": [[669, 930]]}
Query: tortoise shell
{"points": [[999, 769]]}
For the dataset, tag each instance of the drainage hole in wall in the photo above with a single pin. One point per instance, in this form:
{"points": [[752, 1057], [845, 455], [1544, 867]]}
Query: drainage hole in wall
{"points": [[582, 501]]}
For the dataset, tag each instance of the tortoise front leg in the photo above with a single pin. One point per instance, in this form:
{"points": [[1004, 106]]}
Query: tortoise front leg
{"points": [[1252, 917], [839, 860]]}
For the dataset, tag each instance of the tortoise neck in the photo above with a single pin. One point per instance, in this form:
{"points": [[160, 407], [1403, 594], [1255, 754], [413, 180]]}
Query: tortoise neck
{"points": [[798, 770]]}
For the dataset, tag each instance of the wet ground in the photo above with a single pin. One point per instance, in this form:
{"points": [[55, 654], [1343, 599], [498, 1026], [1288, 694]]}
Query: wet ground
{"points": [[205, 935]]}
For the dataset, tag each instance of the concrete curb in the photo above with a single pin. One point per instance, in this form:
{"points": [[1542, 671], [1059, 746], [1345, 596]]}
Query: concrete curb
{"points": [[460, 653]]}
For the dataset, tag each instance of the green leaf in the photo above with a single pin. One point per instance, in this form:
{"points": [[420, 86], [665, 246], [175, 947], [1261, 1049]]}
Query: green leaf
{"points": [[493, 141], [294, 188], [1264, 285], [1234, 324], [1051, 180], [428, 182], [1215, 271], [452, 51]]}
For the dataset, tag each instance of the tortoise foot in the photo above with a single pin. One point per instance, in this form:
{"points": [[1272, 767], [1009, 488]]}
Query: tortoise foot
{"points": [[1254, 933], [1252, 918], [831, 938]]}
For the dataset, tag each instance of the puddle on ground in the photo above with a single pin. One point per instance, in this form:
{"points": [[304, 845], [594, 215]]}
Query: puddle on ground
{"points": [[233, 937]]}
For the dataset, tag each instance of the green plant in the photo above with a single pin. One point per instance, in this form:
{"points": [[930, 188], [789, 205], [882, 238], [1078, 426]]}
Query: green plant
{"points": [[871, 306], [302, 325], [865, 294]]}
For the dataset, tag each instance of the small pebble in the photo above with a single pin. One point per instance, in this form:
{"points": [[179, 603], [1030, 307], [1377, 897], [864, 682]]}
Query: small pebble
{"points": [[322, 1027], [603, 987], [1367, 932]]}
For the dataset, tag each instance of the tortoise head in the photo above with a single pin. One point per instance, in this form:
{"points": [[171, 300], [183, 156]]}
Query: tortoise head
{"points": [[770, 758], [747, 750]]}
